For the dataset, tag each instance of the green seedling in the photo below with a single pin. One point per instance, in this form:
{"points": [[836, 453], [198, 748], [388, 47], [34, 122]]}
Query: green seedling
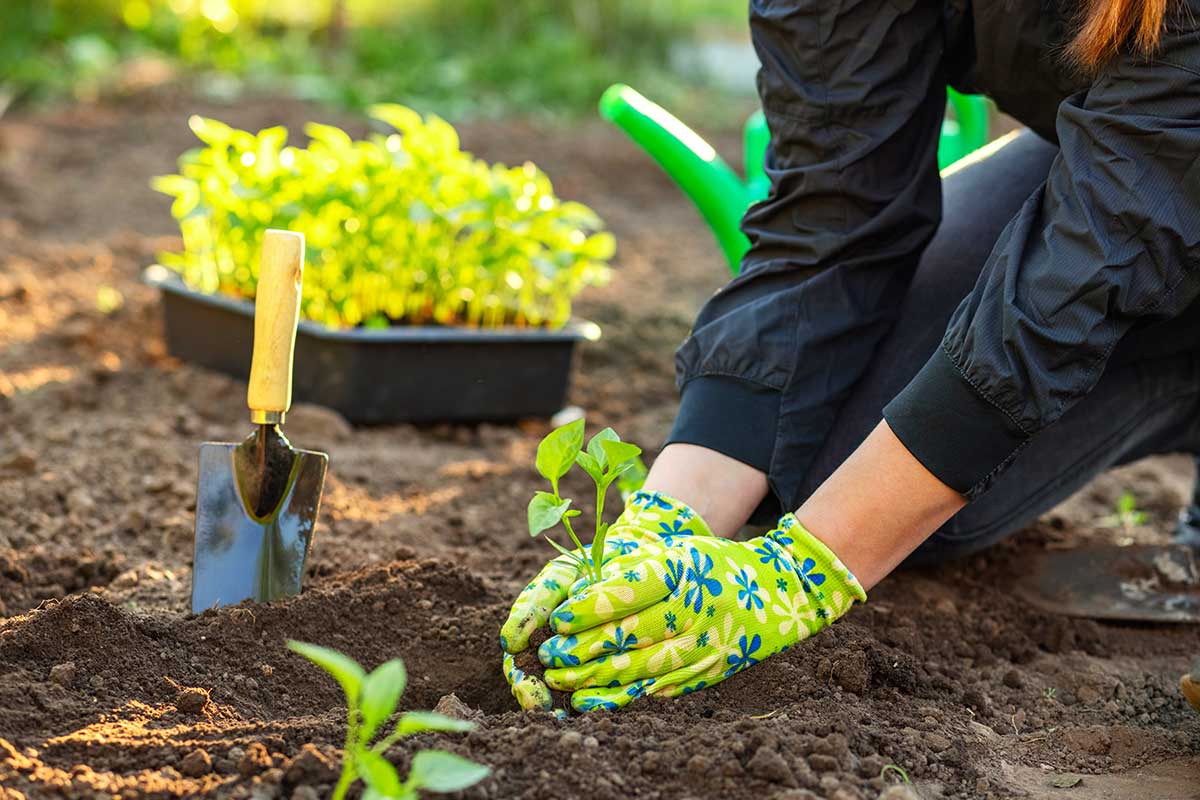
{"points": [[1049, 693], [606, 459], [1127, 514], [401, 228], [371, 700], [896, 769]]}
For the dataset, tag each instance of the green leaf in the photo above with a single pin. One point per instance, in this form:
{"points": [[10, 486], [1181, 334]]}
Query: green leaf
{"points": [[439, 771], [631, 479], [417, 721], [590, 465], [569, 553], [381, 692], [345, 670], [556, 453], [596, 446], [619, 453], [544, 512], [378, 773]]}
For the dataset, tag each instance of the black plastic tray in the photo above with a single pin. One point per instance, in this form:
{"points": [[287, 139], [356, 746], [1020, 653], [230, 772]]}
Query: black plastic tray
{"points": [[399, 374]]}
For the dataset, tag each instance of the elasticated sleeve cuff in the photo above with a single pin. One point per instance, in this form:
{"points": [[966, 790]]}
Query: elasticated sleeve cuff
{"points": [[953, 429], [734, 417]]}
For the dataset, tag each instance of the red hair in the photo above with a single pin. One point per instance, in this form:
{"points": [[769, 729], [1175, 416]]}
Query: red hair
{"points": [[1110, 24]]}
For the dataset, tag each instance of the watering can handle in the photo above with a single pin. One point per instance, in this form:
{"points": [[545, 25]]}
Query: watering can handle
{"points": [[276, 312]]}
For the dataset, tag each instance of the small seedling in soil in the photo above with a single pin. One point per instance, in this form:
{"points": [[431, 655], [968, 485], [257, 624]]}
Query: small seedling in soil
{"points": [[1127, 515], [896, 769], [371, 700], [1050, 693], [605, 460]]}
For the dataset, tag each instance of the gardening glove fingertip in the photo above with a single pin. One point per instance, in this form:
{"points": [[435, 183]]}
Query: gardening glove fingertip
{"points": [[533, 606], [530, 691], [609, 698]]}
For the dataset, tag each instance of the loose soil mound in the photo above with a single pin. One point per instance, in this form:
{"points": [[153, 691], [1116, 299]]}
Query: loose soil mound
{"points": [[107, 688]]}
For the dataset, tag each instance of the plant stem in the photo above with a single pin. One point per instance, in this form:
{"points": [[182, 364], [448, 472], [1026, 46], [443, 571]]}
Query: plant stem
{"points": [[601, 532], [582, 553], [349, 769]]}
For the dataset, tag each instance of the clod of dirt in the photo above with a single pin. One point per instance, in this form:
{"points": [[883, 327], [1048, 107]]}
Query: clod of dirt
{"points": [[191, 700], [451, 706], [63, 674], [1012, 679], [24, 461], [899, 791], [196, 763], [766, 764], [305, 793], [256, 759], [310, 766], [79, 501], [851, 672]]}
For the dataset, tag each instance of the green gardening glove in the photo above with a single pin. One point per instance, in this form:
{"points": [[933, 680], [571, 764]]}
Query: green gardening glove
{"points": [[649, 526], [704, 609]]}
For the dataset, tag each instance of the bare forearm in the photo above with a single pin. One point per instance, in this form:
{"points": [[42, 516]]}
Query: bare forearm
{"points": [[722, 490], [878, 506]]}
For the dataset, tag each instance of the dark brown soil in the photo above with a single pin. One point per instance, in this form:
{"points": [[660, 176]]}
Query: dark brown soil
{"points": [[109, 689]]}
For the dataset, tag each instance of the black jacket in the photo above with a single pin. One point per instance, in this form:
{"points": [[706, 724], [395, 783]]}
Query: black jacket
{"points": [[853, 91]]}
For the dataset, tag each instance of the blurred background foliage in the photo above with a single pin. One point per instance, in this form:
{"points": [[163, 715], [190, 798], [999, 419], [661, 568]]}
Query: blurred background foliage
{"points": [[458, 57]]}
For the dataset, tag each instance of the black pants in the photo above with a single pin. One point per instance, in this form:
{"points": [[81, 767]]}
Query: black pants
{"points": [[1147, 402]]}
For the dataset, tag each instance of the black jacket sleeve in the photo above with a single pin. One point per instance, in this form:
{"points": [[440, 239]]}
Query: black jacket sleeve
{"points": [[1112, 241], [853, 95]]}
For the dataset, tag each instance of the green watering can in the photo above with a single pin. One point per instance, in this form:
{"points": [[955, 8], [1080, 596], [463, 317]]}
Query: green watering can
{"points": [[717, 191]]}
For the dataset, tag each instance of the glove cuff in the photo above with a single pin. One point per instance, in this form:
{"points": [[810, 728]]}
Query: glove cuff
{"points": [[661, 514], [820, 571]]}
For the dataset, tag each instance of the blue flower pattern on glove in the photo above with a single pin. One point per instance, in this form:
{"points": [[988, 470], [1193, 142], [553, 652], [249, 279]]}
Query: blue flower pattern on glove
{"points": [[748, 591], [808, 578], [699, 582], [556, 652], [743, 658]]}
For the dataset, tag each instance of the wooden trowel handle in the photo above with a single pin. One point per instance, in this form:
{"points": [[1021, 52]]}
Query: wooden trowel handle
{"points": [[276, 310]]}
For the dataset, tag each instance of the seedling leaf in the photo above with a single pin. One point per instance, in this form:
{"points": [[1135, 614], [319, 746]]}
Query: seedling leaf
{"points": [[590, 465], [556, 453], [381, 691], [439, 771], [619, 453], [632, 479], [595, 447], [417, 721], [544, 512], [344, 669], [578, 559], [379, 774]]}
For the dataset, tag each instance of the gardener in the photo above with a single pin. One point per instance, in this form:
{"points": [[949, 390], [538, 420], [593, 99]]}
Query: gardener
{"points": [[918, 368]]}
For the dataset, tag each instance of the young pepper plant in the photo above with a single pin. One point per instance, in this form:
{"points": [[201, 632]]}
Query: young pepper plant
{"points": [[371, 699], [605, 460]]}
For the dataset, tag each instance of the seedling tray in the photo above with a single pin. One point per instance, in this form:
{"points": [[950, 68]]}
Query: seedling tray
{"points": [[398, 374]]}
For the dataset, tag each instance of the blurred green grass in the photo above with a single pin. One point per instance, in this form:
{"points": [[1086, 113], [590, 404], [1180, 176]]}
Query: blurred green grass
{"points": [[461, 58]]}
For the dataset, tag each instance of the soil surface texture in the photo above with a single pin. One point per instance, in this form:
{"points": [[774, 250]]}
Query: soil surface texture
{"points": [[109, 688]]}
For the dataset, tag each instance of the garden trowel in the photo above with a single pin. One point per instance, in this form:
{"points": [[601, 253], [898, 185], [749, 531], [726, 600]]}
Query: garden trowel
{"points": [[1144, 583], [257, 501]]}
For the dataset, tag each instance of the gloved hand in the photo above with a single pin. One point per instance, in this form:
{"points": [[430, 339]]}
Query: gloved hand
{"points": [[700, 611], [650, 524]]}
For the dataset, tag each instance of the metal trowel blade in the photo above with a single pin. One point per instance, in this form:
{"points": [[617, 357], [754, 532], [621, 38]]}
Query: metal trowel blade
{"points": [[250, 545], [1147, 583]]}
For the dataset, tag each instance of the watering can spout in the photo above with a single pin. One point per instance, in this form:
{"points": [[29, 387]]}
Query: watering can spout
{"points": [[718, 192]]}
